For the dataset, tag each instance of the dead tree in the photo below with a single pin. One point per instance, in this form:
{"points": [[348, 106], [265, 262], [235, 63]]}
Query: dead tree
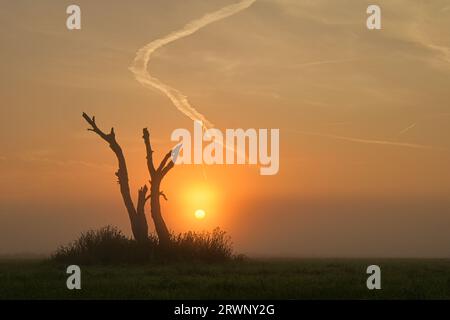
{"points": [[138, 220]]}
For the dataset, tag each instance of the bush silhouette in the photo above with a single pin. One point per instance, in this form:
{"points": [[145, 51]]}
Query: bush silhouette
{"points": [[109, 245]]}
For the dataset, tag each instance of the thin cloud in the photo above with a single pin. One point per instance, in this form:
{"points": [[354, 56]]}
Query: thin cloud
{"points": [[368, 141], [58, 162], [322, 62], [442, 52], [411, 126]]}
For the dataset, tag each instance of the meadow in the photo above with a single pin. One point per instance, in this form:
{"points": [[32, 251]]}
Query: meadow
{"points": [[247, 279]]}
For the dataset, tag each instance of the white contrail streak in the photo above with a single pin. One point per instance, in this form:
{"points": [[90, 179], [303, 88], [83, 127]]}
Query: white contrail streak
{"points": [[368, 141], [411, 126], [321, 62], [140, 63]]}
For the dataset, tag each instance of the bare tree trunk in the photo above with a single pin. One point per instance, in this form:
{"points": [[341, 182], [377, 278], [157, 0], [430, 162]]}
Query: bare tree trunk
{"points": [[138, 221], [156, 176], [141, 225], [136, 214]]}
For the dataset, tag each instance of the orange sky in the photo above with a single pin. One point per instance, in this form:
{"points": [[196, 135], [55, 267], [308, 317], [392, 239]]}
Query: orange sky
{"points": [[363, 115]]}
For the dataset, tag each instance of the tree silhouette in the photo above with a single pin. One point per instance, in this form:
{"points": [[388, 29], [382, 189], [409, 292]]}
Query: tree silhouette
{"points": [[136, 213]]}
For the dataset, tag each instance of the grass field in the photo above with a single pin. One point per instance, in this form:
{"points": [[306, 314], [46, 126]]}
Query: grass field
{"points": [[253, 279]]}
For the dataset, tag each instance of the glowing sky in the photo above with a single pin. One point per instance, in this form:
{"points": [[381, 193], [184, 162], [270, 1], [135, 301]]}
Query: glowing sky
{"points": [[364, 120]]}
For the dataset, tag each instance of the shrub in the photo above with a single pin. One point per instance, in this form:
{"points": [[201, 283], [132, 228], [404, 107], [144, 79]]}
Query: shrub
{"points": [[108, 245], [205, 246]]}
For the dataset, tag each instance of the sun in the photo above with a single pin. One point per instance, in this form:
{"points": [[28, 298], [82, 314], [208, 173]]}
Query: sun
{"points": [[200, 214]]}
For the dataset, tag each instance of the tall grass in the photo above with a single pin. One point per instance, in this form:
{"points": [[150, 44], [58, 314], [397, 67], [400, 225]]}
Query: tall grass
{"points": [[109, 245]]}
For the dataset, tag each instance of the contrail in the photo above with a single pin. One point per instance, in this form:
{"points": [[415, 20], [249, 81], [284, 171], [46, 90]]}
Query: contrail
{"points": [[368, 141], [321, 62], [140, 63], [411, 126]]}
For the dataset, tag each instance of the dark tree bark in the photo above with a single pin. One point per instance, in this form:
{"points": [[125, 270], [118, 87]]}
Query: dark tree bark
{"points": [[136, 214], [156, 176]]}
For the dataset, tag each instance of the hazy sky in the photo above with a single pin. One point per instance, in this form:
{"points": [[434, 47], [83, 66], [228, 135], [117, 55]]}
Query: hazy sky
{"points": [[364, 120]]}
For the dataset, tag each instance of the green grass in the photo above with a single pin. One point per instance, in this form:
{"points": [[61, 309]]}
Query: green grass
{"points": [[253, 279]]}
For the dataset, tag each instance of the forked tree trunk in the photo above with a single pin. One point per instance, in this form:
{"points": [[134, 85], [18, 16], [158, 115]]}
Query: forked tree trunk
{"points": [[156, 176], [138, 220], [160, 225]]}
